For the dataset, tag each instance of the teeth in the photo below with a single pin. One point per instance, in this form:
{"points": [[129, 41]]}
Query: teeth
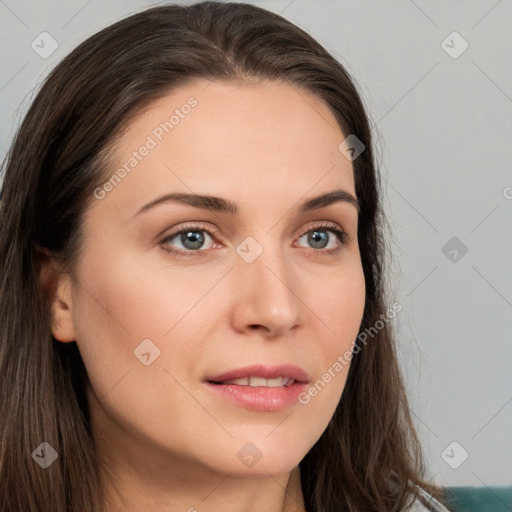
{"points": [[258, 381], [244, 381], [261, 382], [271, 383]]}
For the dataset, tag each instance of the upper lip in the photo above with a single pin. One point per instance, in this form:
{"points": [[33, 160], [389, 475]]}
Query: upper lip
{"points": [[264, 371]]}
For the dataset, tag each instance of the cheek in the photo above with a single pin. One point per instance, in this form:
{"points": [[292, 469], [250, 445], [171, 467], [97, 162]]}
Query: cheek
{"points": [[118, 303], [340, 305], [146, 301], [340, 310]]}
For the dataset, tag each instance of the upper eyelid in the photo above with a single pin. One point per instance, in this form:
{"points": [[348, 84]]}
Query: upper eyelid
{"points": [[192, 226], [201, 226]]}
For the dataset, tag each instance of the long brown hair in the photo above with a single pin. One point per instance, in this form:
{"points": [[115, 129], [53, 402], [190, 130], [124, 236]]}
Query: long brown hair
{"points": [[369, 455]]}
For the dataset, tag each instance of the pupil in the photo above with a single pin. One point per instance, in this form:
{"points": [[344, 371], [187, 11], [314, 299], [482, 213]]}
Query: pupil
{"points": [[195, 238], [319, 236]]}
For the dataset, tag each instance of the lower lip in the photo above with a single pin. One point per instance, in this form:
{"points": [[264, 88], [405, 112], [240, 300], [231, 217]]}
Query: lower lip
{"points": [[260, 398]]}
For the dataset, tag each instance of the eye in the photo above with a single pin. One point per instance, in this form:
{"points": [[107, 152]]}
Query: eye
{"points": [[321, 236], [192, 239]]}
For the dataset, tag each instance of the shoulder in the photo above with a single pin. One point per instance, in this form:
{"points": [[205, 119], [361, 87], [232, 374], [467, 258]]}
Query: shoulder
{"points": [[426, 503]]}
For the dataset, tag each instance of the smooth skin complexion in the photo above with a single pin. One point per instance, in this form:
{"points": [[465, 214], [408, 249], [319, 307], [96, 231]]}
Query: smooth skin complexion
{"points": [[169, 441]]}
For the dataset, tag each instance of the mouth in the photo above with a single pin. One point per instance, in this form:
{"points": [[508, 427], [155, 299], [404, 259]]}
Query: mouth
{"points": [[256, 382], [257, 375], [260, 387]]}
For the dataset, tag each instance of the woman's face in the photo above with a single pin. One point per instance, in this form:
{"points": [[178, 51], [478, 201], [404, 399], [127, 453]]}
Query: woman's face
{"points": [[253, 287]]}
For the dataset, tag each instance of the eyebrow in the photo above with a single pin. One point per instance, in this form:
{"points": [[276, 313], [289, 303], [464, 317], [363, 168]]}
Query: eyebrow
{"points": [[217, 204]]}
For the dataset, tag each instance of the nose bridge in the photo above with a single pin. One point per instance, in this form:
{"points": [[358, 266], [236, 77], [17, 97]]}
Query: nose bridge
{"points": [[266, 277]]}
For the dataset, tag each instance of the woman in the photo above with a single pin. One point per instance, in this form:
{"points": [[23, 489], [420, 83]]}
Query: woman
{"points": [[192, 257]]}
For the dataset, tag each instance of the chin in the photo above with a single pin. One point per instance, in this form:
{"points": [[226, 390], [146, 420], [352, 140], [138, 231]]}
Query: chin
{"points": [[251, 459]]}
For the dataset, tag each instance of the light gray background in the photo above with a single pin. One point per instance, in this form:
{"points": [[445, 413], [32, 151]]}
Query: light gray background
{"points": [[443, 128]]}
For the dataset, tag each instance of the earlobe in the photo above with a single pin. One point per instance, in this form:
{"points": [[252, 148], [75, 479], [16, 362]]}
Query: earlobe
{"points": [[56, 286]]}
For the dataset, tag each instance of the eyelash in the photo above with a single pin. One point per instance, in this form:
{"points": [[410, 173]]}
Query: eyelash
{"points": [[341, 235]]}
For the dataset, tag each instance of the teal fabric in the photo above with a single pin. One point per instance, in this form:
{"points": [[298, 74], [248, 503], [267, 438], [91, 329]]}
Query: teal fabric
{"points": [[478, 499]]}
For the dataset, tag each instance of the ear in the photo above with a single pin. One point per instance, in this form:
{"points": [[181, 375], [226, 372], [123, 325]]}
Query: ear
{"points": [[56, 286]]}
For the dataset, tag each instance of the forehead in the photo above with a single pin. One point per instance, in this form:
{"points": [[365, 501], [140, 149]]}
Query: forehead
{"points": [[227, 138]]}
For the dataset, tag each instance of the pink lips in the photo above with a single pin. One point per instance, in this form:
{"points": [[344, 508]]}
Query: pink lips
{"points": [[266, 372], [259, 397]]}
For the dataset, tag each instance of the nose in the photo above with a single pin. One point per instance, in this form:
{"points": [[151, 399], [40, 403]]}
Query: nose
{"points": [[266, 296]]}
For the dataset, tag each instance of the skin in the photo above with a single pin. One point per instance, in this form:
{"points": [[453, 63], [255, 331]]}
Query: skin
{"points": [[166, 442]]}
